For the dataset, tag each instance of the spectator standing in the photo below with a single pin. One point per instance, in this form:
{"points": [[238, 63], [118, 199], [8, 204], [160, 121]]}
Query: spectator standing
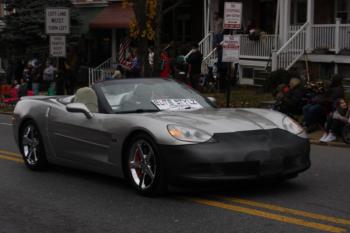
{"points": [[165, 64], [194, 66], [218, 27], [49, 78], [68, 78], [60, 79], [336, 121], [151, 58], [315, 113], [132, 68], [36, 75]]}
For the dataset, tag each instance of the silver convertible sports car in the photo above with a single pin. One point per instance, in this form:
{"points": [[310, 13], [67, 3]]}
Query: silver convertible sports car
{"points": [[156, 132]]}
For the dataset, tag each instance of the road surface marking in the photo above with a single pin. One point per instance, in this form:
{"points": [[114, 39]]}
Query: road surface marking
{"points": [[8, 153], [5, 157], [288, 211], [7, 124], [276, 217]]}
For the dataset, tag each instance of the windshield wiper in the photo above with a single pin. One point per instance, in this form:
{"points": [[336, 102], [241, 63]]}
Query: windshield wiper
{"points": [[139, 111]]}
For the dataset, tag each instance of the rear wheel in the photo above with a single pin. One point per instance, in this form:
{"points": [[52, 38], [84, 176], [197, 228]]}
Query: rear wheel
{"points": [[32, 148], [144, 168]]}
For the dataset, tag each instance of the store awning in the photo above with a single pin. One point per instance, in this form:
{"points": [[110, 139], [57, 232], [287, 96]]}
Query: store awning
{"points": [[113, 16]]}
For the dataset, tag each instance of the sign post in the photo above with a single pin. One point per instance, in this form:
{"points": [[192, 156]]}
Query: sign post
{"points": [[231, 44]]}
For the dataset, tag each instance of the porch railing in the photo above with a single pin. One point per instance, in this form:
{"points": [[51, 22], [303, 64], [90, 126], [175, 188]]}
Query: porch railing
{"points": [[293, 29], [323, 36], [101, 71], [261, 48], [334, 37], [291, 52], [344, 36], [205, 45]]}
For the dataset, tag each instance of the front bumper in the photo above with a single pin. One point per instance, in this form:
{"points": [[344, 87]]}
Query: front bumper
{"points": [[238, 156]]}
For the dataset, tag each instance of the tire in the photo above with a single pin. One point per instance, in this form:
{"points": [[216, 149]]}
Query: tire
{"points": [[144, 167], [32, 147], [346, 134]]}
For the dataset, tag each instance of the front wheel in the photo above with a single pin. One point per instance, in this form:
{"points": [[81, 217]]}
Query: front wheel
{"points": [[32, 148], [144, 168]]}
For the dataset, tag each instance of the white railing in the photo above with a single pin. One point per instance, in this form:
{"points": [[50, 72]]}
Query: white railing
{"points": [[323, 36], [291, 52], [101, 71], [205, 45], [293, 29], [344, 36], [209, 60], [105, 65], [261, 48]]}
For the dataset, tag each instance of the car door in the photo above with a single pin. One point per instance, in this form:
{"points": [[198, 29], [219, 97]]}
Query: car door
{"points": [[77, 138]]}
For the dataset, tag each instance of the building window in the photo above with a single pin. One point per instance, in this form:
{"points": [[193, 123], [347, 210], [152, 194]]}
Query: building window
{"points": [[342, 10]]}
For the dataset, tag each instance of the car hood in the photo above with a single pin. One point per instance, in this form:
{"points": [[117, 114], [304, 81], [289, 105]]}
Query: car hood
{"points": [[221, 120]]}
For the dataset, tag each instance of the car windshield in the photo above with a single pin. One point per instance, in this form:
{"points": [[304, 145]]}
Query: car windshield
{"points": [[151, 95]]}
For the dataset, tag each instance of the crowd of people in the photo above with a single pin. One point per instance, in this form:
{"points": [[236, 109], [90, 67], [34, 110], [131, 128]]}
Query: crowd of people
{"points": [[173, 67], [36, 76], [322, 105]]}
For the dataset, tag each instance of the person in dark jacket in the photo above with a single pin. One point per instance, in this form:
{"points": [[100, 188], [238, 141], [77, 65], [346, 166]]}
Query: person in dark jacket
{"points": [[315, 113], [290, 102], [336, 121], [68, 78], [194, 66]]}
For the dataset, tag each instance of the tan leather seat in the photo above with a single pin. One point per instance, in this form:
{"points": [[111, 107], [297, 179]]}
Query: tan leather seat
{"points": [[87, 96]]}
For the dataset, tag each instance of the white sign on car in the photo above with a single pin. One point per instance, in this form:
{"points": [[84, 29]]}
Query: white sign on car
{"points": [[176, 104]]}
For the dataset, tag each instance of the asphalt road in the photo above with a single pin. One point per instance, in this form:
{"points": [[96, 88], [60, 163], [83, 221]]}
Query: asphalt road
{"points": [[68, 200]]}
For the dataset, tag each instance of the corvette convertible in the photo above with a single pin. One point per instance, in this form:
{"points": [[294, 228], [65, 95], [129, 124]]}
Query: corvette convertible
{"points": [[156, 132]]}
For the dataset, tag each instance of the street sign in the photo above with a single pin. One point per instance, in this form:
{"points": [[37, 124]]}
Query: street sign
{"points": [[231, 47], [57, 20], [233, 15], [57, 46]]}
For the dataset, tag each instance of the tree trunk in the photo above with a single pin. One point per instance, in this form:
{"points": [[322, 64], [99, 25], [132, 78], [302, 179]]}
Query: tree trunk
{"points": [[157, 39]]}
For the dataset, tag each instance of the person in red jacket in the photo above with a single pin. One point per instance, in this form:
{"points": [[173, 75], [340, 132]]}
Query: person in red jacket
{"points": [[165, 64]]}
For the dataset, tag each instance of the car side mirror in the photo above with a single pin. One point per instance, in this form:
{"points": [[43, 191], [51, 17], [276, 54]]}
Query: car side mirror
{"points": [[79, 108], [212, 100]]}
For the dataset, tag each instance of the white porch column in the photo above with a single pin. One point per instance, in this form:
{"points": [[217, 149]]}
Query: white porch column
{"points": [[310, 20], [114, 45], [337, 35], [285, 7]]}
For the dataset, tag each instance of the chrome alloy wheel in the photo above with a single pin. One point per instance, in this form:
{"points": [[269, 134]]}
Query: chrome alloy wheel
{"points": [[142, 164], [31, 144]]}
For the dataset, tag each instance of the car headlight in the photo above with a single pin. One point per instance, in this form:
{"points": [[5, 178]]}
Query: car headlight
{"points": [[293, 127], [188, 134]]}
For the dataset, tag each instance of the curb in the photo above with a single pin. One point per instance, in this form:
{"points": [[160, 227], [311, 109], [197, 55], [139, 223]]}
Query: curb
{"points": [[330, 144]]}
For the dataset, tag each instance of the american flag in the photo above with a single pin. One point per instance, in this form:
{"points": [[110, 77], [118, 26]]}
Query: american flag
{"points": [[123, 47]]}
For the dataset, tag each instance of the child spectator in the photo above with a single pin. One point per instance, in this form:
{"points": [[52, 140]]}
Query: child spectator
{"points": [[336, 121]]}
